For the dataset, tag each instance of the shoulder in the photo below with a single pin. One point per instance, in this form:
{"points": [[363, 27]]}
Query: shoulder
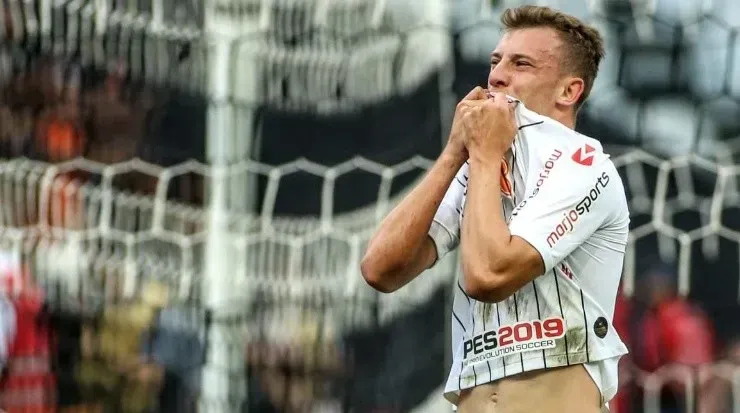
{"points": [[578, 169]]}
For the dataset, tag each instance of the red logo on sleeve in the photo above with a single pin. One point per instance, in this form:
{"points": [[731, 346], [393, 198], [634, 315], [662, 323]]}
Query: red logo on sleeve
{"points": [[584, 155]]}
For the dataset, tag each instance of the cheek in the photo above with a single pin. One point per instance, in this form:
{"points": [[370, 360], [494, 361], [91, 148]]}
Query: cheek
{"points": [[528, 85]]}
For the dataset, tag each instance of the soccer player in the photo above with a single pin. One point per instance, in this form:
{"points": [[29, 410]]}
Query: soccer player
{"points": [[541, 218]]}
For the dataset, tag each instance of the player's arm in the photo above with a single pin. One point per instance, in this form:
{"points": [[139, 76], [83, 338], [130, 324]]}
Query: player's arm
{"points": [[498, 259], [571, 204], [424, 225], [403, 246]]}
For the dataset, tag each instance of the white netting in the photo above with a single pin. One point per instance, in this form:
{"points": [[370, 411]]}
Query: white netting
{"points": [[94, 235], [91, 242], [85, 213]]}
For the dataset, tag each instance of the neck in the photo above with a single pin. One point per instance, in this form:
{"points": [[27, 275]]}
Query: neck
{"points": [[566, 119]]}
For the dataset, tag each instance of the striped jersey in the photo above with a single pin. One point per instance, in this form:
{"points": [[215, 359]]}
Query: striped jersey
{"points": [[562, 194]]}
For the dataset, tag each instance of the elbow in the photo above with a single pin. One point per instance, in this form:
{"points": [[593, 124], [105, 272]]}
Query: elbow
{"points": [[376, 277], [485, 285]]}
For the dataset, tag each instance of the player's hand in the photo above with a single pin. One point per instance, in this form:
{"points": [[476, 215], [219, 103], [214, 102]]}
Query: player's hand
{"points": [[489, 126], [456, 143]]}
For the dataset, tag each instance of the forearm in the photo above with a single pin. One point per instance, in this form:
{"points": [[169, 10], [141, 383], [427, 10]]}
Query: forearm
{"points": [[485, 235], [392, 254]]}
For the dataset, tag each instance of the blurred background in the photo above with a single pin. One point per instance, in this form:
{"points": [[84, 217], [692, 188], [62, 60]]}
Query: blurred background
{"points": [[187, 187]]}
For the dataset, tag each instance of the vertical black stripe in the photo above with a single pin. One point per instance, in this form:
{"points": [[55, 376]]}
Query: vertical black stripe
{"points": [[488, 362], [472, 334], [560, 304], [467, 297], [462, 365], [585, 325], [503, 358], [458, 320], [513, 178], [539, 317], [516, 313]]}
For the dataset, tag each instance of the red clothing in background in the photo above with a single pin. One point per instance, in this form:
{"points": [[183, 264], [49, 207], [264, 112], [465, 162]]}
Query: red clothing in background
{"points": [[672, 332]]}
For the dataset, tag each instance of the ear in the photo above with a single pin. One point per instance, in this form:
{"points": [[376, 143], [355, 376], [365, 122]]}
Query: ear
{"points": [[571, 90]]}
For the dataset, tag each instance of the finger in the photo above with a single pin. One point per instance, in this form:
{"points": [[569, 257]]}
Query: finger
{"points": [[501, 101], [474, 103], [478, 93]]}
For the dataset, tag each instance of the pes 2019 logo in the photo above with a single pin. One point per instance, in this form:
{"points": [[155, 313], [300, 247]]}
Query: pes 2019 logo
{"points": [[512, 339]]}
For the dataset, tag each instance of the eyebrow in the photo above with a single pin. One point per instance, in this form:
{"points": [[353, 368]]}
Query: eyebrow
{"points": [[514, 56]]}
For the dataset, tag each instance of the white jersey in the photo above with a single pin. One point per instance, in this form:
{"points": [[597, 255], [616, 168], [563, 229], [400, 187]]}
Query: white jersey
{"points": [[563, 195]]}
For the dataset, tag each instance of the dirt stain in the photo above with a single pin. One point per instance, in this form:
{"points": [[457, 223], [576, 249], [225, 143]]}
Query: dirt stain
{"points": [[511, 309], [485, 311], [575, 352]]}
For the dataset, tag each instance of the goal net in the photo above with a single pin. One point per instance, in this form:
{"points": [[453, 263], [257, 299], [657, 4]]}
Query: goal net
{"points": [[90, 243], [116, 248]]}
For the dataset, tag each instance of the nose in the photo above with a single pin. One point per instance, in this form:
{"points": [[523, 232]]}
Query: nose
{"points": [[498, 78]]}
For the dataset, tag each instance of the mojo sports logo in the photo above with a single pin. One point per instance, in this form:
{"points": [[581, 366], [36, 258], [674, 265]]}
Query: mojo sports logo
{"points": [[583, 207], [512, 339]]}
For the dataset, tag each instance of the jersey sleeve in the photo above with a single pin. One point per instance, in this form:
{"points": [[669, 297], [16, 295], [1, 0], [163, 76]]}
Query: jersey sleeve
{"points": [[566, 207], [445, 228]]}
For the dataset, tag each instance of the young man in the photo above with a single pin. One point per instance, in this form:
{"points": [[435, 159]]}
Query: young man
{"points": [[541, 217]]}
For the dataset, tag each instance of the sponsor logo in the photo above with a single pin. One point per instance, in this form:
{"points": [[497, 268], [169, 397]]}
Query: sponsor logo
{"points": [[513, 339], [583, 207], [541, 178], [564, 268], [601, 327], [584, 155]]}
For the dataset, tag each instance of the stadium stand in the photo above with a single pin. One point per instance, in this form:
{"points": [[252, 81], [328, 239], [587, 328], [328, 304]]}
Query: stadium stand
{"points": [[105, 183]]}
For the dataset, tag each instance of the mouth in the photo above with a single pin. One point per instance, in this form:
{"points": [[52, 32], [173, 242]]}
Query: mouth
{"points": [[509, 98], [490, 91]]}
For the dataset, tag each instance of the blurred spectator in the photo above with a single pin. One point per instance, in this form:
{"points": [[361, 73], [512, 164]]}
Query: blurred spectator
{"points": [[295, 372], [60, 131], [55, 110], [16, 130], [117, 124], [176, 348], [112, 371], [27, 383], [661, 329]]}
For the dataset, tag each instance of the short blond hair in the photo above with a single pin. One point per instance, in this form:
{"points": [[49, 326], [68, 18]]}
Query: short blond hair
{"points": [[584, 46]]}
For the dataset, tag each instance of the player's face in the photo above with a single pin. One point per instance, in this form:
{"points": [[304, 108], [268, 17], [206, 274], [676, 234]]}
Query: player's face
{"points": [[526, 65]]}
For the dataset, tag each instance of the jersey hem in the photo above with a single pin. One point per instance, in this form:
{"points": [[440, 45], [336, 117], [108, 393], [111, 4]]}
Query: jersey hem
{"points": [[453, 396]]}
